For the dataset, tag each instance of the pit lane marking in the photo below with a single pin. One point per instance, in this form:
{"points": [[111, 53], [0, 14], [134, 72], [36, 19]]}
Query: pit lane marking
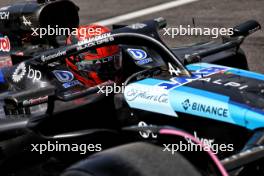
{"points": [[143, 12]]}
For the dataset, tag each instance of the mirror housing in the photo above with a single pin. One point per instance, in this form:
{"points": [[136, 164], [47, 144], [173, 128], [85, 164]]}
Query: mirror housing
{"points": [[17, 20]]}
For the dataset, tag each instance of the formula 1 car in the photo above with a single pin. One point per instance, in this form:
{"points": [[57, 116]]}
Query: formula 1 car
{"points": [[41, 94]]}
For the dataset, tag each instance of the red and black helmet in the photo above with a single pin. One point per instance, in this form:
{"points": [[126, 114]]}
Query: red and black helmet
{"points": [[95, 66]]}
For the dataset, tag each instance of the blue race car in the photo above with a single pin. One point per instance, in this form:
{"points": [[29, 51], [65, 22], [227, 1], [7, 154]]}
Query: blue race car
{"points": [[217, 104]]}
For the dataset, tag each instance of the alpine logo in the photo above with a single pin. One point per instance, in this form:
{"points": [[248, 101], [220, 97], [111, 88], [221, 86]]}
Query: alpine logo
{"points": [[26, 22], [63, 76], [140, 56], [204, 108]]}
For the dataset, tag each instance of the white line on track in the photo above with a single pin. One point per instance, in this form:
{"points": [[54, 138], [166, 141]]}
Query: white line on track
{"points": [[142, 12]]}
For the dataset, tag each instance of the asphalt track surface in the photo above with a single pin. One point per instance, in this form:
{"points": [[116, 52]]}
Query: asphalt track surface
{"points": [[206, 13]]}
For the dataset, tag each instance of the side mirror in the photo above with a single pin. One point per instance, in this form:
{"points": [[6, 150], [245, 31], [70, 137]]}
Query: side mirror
{"points": [[19, 103], [18, 19], [246, 28]]}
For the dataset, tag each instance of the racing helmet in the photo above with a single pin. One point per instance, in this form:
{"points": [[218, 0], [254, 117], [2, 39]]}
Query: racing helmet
{"points": [[96, 65]]}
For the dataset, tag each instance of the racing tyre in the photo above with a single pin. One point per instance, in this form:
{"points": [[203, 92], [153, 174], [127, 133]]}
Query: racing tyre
{"points": [[135, 159]]}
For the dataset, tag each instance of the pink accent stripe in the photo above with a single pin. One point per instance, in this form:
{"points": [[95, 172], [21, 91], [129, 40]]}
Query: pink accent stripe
{"points": [[186, 135]]}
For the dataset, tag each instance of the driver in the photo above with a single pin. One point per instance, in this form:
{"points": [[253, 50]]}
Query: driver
{"points": [[97, 65]]}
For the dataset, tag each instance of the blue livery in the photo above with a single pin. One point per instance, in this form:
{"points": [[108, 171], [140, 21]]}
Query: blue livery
{"points": [[215, 92]]}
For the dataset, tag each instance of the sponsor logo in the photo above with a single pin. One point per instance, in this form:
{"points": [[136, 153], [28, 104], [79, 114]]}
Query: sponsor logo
{"points": [[204, 108], [93, 41], [205, 141], [71, 84], [21, 71], [52, 56], [63, 76], [35, 101], [134, 94], [146, 134], [186, 104], [140, 56], [137, 26], [5, 45], [224, 83], [149, 98], [35, 75], [4, 15], [179, 81], [5, 61]]}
